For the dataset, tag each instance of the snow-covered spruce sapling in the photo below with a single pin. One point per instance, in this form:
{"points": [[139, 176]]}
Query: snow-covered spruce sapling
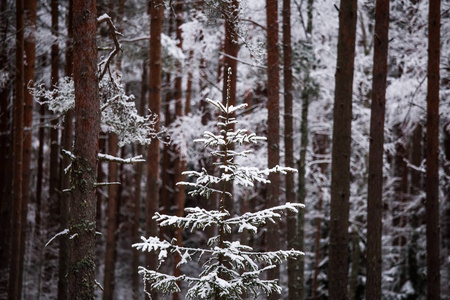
{"points": [[230, 268]]}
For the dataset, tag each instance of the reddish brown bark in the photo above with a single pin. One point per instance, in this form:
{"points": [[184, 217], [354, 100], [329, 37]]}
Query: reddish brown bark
{"points": [[30, 54], [14, 291], [5, 153], [340, 167], [432, 152], [153, 153], [273, 123], [376, 150], [231, 49], [87, 128]]}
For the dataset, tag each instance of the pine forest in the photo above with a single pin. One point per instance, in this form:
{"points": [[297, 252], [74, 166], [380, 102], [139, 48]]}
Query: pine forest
{"points": [[224, 149]]}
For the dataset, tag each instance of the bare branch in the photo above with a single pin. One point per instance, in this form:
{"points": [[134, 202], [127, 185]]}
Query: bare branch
{"points": [[114, 33]]}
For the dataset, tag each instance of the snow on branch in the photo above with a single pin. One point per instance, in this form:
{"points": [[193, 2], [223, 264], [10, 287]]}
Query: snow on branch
{"points": [[114, 33], [131, 160]]}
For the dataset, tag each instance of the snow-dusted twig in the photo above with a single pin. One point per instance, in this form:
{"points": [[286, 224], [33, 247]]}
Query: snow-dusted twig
{"points": [[131, 160], [65, 231], [98, 184], [114, 33]]}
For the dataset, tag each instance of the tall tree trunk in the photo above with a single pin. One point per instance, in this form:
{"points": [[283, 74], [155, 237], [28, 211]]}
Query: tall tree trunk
{"points": [[113, 190], [136, 228], [432, 152], [108, 284], [180, 161], [152, 201], [53, 204], [340, 166], [67, 139], [84, 166], [14, 269], [321, 145], [376, 150], [5, 152], [292, 237], [306, 95], [273, 123], [30, 54], [231, 49]]}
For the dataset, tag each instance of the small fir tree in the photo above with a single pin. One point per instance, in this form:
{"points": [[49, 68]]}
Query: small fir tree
{"points": [[230, 268]]}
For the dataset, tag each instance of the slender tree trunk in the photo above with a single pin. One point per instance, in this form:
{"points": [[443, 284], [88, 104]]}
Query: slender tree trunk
{"points": [[67, 139], [273, 123], [30, 54], [231, 48], [292, 237], [180, 161], [355, 267], [108, 284], [53, 204], [376, 150], [306, 95], [136, 228], [87, 129], [5, 153], [340, 167], [156, 22], [321, 145], [432, 152], [14, 269]]}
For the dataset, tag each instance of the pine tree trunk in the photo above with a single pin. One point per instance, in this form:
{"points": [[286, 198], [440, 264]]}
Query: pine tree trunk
{"points": [[432, 152], [136, 227], [5, 153], [53, 204], [67, 139], [292, 237], [321, 145], [376, 150], [84, 167], [340, 167], [153, 155], [30, 54], [17, 158], [273, 123], [231, 49], [109, 279]]}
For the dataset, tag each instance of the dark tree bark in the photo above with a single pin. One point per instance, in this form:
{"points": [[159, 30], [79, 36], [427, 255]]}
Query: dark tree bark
{"points": [[294, 280], [14, 291], [5, 153], [153, 155], [231, 49], [306, 95], [340, 166], [84, 166], [375, 180], [432, 152], [273, 122], [67, 139], [321, 144], [30, 54], [110, 252], [53, 204]]}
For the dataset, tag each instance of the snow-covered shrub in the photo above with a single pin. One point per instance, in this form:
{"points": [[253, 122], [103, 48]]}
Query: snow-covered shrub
{"points": [[230, 268]]}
